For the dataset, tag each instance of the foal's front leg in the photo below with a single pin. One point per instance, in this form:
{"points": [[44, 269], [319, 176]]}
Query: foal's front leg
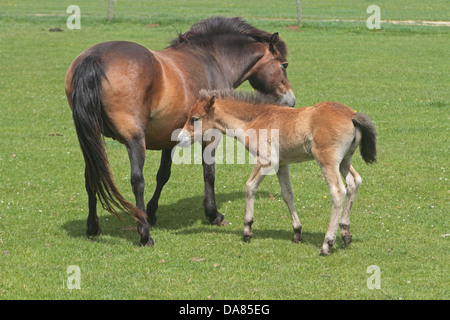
{"points": [[250, 190]]}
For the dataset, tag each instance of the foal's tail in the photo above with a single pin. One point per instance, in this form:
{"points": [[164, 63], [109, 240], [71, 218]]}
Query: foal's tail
{"points": [[87, 116], [368, 145]]}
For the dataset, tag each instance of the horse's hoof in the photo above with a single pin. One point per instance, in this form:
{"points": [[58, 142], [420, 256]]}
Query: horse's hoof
{"points": [[219, 220], [147, 243], [91, 234], [151, 219]]}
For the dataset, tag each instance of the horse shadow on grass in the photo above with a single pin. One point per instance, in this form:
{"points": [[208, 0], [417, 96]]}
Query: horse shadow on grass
{"points": [[174, 216], [180, 218]]}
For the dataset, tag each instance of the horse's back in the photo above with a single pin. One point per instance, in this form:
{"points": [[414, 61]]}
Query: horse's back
{"points": [[131, 78]]}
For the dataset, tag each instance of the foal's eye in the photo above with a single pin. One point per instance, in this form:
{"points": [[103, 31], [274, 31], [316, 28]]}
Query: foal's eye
{"points": [[285, 65], [193, 119]]}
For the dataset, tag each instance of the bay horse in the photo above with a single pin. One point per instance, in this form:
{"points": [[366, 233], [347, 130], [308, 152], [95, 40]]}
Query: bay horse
{"points": [[327, 132], [138, 97]]}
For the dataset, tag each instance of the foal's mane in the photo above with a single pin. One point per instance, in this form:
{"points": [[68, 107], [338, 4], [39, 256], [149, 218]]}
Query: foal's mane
{"points": [[215, 28], [253, 98]]}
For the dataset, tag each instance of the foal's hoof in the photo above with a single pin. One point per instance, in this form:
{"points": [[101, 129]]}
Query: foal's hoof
{"points": [[347, 239], [247, 237], [297, 237]]}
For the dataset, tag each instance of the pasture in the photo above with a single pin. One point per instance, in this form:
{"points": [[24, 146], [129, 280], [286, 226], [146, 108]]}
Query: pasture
{"points": [[398, 75]]}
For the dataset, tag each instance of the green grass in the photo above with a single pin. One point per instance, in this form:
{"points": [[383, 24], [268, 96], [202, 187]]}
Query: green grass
{"points": [[397, 75]]}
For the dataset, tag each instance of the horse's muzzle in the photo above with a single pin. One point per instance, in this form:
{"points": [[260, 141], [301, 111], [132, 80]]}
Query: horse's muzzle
{"points": [[288, 99]]}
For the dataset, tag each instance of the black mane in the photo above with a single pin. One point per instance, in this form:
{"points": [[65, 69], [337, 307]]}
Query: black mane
{"points": [[204, 31]]}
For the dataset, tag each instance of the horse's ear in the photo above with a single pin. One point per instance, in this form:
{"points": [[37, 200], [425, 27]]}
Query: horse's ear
{"points": [[211, 102], [274, 42]]}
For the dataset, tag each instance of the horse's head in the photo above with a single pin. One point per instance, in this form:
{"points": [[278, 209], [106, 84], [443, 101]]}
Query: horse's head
{"points": [[269, 74], [198, 119]]}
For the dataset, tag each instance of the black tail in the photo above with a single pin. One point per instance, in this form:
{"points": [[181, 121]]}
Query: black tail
{"points": [[87, 116], [368, 146]]}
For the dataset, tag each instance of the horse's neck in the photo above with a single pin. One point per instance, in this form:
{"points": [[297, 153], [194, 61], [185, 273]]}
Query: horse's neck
{"points": [[237, 64], [225, 67]]}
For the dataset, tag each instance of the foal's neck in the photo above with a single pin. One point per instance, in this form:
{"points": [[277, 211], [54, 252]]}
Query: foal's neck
{"points": [[236, 115]]}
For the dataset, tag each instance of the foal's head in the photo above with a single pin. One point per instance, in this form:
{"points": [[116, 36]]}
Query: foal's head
{"points": [[200, 119], [269, 74]]}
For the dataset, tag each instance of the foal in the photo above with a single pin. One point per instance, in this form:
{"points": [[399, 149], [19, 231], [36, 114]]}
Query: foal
{"points": [[327, 132]]}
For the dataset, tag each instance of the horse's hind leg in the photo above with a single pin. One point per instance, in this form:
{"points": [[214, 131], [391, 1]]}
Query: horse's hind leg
{"points": [[136, 153], [353, 181], [93, 227], [288, 197], [162, 177]]}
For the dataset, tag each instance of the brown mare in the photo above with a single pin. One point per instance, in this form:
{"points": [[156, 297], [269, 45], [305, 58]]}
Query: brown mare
{"points": [[327, 132], [139, 97]]}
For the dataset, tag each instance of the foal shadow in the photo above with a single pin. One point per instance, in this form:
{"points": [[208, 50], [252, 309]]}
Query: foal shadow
{"points": [[308, 238]]}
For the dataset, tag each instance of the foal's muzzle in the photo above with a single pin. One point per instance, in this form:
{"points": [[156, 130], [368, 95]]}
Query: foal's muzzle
{"points": [[184, 139]]}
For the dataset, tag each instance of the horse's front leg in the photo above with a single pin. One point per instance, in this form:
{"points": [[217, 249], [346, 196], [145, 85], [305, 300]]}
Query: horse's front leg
{"points": [[211, 212], [162, 177], [136, 153], [250, 190]]}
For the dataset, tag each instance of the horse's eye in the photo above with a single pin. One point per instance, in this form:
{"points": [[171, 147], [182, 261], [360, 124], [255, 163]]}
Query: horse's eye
{"points": [[193, 119], [285, 65]]}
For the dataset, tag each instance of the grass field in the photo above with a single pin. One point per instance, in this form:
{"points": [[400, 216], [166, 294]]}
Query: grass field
{"points": [[398, 75]]}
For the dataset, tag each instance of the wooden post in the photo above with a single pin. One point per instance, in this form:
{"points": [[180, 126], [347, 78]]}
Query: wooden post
{"points": [[110, 9], [299, 13]]}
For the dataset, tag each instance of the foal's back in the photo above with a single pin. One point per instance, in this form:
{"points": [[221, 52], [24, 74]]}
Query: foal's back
{"points": [[321, 126]]}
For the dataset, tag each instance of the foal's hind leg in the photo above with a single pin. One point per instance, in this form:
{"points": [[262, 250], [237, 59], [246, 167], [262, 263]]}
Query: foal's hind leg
{"points": [[288, 197], [136, 153], [353, 181], [161, 179], [337, 192]]}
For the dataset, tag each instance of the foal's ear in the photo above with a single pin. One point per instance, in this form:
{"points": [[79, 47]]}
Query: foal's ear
{"points": [[274, 42], [211, 102]]}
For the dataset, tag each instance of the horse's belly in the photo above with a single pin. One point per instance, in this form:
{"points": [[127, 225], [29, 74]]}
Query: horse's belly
{"points": [[160, 136]]}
